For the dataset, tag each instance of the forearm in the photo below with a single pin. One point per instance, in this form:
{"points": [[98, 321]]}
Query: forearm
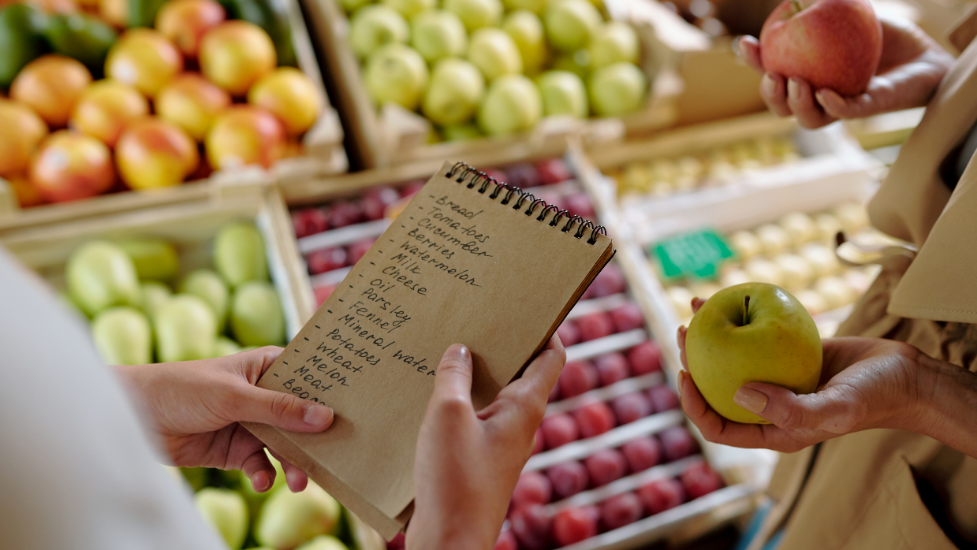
{"points": [[948, 405]]}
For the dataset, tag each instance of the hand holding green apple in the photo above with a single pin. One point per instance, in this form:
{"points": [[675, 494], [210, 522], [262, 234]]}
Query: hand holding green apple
{"points": [[864, 383]]}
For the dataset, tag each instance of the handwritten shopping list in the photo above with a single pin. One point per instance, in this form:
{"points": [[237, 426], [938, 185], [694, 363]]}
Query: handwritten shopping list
{"points": [[456, 266]]}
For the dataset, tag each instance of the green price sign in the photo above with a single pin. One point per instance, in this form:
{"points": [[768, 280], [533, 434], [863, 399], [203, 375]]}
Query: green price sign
{"points": [[695, 255]]}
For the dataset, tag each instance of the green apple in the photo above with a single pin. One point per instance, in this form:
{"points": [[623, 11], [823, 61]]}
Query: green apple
{"points": [[456, 89], [571, 23], [396, 74], [154, 259], [437, 34], [410, 8], [617, 89], [351, 6], [227, 512], [613, 43], [494, 53], [239, 254], [526, 30], [563, 93], [123, 337], [535, 6], [752, 332], [224, 346], [185, 329], [153, 295], [256, 315], [374, 27], [511, 104], [461, 132], [476, 14], [100, 275], [208, 286], [289, 519], [323, 542]]}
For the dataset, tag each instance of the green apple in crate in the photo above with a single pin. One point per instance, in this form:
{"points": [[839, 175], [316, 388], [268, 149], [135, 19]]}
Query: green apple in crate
{"points": [[617, 89], [186, 329], [494, 53], [239, 254], [289, 519], [208, 286], [752, 332], [323, 542], [512, 104], [154, 259], [456, 89], [227, 512], [526, 30], [153, 294], [396, 74], [257, 318], [374, 27], [563, 93], [123, 337], [101, 275], [571, 23], [437, 34]]}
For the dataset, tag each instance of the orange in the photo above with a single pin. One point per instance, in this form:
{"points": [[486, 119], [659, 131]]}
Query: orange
{"points": [[288, 94], [20, 132], [145, 59], [51, 85]]}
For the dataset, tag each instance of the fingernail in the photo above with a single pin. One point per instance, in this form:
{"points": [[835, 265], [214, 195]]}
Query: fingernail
{"points": [[259, 481], [318, 416], [767, 85], [793, 89], [750, 400], [681, 382]]}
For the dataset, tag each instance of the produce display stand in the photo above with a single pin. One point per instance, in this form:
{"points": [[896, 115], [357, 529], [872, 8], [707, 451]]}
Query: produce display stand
{"points": [[323, 155], [190, 226], [395, 135]]}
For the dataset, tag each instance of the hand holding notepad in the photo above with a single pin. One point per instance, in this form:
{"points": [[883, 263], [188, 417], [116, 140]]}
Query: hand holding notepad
{"points": [[469, 260]]}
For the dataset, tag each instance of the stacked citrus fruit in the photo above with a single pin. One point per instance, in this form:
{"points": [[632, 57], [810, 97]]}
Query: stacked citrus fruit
{"points": [[196, 92]]}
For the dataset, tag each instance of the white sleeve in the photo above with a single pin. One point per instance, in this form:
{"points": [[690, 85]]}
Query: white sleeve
{"points": [[77, 470]]}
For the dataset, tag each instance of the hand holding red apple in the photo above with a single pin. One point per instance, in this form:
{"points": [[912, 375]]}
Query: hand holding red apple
{"points": [[910, 68]]}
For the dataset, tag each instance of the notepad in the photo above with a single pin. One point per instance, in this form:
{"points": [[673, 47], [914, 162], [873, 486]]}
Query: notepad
{"points": [[469, 260]]}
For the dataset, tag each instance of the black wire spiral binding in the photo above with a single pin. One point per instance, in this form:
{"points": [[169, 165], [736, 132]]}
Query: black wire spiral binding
{"points": [[476, 177]]}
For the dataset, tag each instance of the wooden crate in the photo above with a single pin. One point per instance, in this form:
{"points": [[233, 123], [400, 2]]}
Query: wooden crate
{"points": [[324, 155], [395, 135]]}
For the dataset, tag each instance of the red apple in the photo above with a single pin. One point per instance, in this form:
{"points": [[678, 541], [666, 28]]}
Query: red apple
{"points": [[609, 281], [499, 175], [642, 453], [677, 443], [578, 377], [309, 221], [506, 541], [834, 44], [605, 466], [376, 200], [553, 171], [411, 188], [398, 542], [532, 488], [322, 293], [595, 325], [572, 525], [661, 495], [327, 259], [578, 204], [645, 358], [343, 213], [612, 367], [662, 398], [559, 430], [594, 419], [532, 527], [522, 175], [620, 510], [700, 480], [568, 478], [630, 407], [358, 249], [628, 317], [569, 333]]}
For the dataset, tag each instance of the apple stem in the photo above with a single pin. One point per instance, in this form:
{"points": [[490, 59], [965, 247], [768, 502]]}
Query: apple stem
{"points": [[746, 310], [796, 6]]}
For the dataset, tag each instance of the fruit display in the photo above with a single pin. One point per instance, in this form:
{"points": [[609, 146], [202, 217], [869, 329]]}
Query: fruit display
{"points": [[712, 167], [146, 94], [492, 67], [797, 253]]}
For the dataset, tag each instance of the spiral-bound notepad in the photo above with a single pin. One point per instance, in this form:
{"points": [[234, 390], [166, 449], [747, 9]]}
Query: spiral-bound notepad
{"points": [[470, 260]]}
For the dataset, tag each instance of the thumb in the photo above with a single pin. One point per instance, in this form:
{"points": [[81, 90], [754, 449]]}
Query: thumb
{"points": [[454, 376], [281, 410], [823, 410]]}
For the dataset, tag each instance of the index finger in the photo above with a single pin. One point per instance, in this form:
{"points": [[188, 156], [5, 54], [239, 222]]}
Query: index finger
{"points": [[749, 51]]}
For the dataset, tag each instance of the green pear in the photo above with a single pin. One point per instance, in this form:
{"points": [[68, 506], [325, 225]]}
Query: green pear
{"points": [[535, 6], [526, 30], [239, 254], [257, 318], [208, 286], [288, 519], [494, 53], [374, 27], [227, 512], [323, 542], [476, 14], [154, 259], [101, 275], [571, 23], [185, 329], [456, 90], [752, 332], [512, 104], [396, 74], [617, 89], [613, 43], [154, 294], [563, 93], [410, 8], [123, 337], [437, 34], [224, 346]]}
